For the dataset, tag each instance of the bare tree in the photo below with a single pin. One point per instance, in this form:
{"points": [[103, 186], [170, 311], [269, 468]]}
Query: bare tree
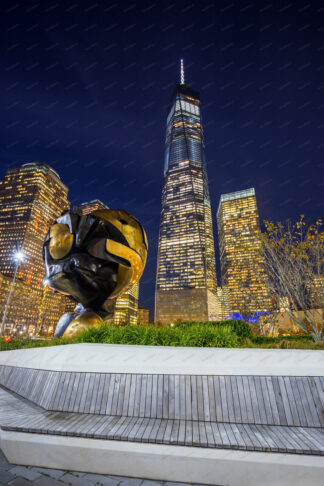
{"points": [[293, 256]]}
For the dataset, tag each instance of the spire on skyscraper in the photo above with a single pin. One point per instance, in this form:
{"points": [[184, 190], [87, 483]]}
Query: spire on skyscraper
{"points": [[182, 79]]}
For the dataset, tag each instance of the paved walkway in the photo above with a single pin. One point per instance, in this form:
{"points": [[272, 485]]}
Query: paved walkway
{"points": [[12, 475]]}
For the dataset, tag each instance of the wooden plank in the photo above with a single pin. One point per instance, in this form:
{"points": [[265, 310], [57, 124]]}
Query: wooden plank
{"points": [[218, 400], [245, 436], [240, 391], [224, 437], [127, 394], [159, 411], [51, 396], [175, 432], [95, 392], [200, 398], [110, 394], [148, 430], [194, 398], [176, 396], [77, 401], [286, 399], [48, 389], [264, 431], [188, 432], [209, 435], [66, 391], [304, 402], [217, 436], [272, 401], [238, 437], [148, 398], [223, 397], [231, 436], [167, 432], [311, 404], [116, 391], [100, 393], [121, 394], [248, 400], [137, 400], [88, 399], [297, 399], [154, 431], [262, 438], [70, 395], [195, 433], [279, 400], [202, 434], [229, 399], [143, 396], [124, 433], [182, 432], [211, 394], [154, 396], [205, 392], [182, 397], [292, 402], [165, 396], [132, 433], [171, 401], [260, 402], [236, 399], [188, 397], [132, 395], [254, 400], [160, 433], [59, 390], [318, 397], [118, 435]]}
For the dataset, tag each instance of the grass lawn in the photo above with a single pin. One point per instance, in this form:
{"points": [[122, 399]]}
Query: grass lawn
{"points": [[226, 334]]}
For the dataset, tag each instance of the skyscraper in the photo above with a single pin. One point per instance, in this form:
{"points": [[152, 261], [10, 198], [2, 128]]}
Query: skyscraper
{"points": [[91, 206], [242, 273], [186, 272], [31, 198]]}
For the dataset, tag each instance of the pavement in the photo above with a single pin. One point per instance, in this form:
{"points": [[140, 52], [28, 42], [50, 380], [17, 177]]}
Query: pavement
{"points": [[13, 475]]}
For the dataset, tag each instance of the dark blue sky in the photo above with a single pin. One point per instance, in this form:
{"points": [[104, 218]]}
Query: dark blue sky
{"points": [[85, 87]]}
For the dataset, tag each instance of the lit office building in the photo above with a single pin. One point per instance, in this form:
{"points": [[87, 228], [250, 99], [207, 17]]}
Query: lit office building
{"points": [[30, 311], [240, 257], [31, 198], [90, 207], [143, 316], [126, 307], [186, 272]]}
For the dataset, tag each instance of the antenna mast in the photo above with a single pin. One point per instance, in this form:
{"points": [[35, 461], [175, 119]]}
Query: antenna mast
{"points": [[182, 79]]}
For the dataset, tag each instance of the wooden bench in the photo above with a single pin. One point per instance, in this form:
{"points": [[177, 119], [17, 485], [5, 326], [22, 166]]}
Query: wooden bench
{"points": [[259, 413]]}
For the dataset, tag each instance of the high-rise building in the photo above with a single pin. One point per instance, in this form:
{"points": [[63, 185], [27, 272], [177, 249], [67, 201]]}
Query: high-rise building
{"points": [[186, 272], [242, 271], [31, 198], [143, 316], [90, 207], [126, 306]]}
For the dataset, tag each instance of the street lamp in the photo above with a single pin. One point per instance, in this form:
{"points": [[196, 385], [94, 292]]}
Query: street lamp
{"points": [[18, 258]]}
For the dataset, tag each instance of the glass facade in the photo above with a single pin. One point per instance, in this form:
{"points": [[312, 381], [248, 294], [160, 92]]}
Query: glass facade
{"points": [[186, 282], [242, 271]]}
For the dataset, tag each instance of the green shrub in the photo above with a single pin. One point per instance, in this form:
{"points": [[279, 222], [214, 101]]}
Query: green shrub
{"points": [[194, 335], [240, 328]]}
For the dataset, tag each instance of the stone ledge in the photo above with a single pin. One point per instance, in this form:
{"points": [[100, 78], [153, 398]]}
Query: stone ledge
{"points": [[162, 462]]}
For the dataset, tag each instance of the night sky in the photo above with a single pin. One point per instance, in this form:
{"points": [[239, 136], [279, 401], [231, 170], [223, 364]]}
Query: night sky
{"points": [[85, 86]]}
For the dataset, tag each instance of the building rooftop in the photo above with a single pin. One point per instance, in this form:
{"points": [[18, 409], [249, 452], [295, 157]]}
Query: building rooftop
{"points": [[235, 195]]}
